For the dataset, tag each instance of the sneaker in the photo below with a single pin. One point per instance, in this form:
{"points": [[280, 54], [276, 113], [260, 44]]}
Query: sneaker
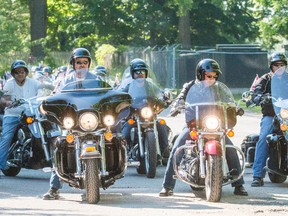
{"points": [[166, 192], [52, 194], [240, 190], [257, 182]]}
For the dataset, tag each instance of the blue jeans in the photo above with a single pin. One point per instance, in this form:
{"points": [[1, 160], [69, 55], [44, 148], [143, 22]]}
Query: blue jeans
{"points": [[55, 181], [10, 124], [231, 157], [262, 150]]}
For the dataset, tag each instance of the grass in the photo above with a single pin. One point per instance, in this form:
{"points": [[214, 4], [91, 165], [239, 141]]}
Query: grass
{"points": [[254, 109]]}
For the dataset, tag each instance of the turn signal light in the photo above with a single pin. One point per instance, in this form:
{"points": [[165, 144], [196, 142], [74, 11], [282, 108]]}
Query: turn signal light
{"points": [[230, 133], [108, 136], [283, 127], [162, 121], [70, 138], [131, 121], [194, 135], [29, 120]]}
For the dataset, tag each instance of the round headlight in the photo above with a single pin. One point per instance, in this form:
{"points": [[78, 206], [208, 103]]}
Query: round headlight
{"points": [[108, 120], [88, 121], [68, 122], [146, 112], [211, 123], [284, 113]]}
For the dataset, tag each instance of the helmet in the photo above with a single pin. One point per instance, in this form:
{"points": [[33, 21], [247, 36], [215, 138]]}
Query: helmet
{"points": [[80, 53], [62, 69], [19, 64], [101, 71], [138, 64], [47, 70], [207, 65], [275, 57]]}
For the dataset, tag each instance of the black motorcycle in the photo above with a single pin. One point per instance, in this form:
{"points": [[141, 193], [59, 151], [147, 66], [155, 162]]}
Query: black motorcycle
{"points": [[147, 103], [277, 162], [32, 142], [90, 153]]}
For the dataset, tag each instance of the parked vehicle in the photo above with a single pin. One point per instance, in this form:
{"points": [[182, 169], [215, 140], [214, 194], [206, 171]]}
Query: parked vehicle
{"points": [[210, 113], [90, 154]]}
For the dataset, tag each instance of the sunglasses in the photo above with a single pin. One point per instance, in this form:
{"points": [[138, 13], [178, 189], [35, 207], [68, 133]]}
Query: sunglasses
{"points": [[20, 72], [279, 64], [210, 76], [80, 63], [138, 72]]}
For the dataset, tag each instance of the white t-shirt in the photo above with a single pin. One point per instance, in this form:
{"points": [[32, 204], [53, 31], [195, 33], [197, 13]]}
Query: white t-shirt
{"points": [[28, 90]]}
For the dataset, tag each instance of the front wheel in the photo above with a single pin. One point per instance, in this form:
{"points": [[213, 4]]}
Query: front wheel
{"points": [[214, 178], [275, 178], [150, 154], [92, 181]]}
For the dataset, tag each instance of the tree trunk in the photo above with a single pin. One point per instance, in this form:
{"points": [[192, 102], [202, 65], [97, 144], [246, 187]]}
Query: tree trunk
{"points": [[38, 26], [184, 31]]}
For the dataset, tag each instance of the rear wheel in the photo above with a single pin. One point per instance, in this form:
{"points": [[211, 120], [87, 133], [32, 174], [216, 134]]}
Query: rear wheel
{"points": [[92, 181], [150, 154], [214, 178]]}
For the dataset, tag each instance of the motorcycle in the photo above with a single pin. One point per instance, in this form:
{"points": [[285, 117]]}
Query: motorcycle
{"points": [[210, 114], [277, 161], [31, 145], [90, 153], [147, 103]]}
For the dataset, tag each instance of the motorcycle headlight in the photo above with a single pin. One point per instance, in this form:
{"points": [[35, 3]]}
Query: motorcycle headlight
{"points": [[211, 123], [146, 112], [284, 113], [88, 121], [108, 120], [68, 122]]}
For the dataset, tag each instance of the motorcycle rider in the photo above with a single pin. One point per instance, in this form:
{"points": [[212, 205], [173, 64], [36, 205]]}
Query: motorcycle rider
{"points": [[103, 74], [80, 61], [139, 69], [208, 70], [262, 87], [21, 86]]}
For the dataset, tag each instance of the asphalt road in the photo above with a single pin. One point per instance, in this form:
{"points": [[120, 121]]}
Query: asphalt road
{"points": [[137, 195]]}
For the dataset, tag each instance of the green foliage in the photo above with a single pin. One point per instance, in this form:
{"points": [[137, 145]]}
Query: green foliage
{"points": [[104, 54]]}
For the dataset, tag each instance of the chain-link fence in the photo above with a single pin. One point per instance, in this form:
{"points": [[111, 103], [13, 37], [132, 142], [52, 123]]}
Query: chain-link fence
{"points": [[173, 66]]}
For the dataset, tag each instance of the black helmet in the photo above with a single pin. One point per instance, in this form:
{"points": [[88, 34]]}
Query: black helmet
{"points": [[277, 56], [80, 53], [138, 64], [101, 71], [19, 64], [207, 65], [47, 69]]}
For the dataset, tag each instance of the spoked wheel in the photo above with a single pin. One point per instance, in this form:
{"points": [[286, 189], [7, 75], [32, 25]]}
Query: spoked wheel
{"points": [[275, 178]]}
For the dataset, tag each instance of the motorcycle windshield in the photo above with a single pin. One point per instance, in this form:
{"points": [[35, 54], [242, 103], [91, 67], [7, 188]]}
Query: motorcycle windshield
{"points": [[86, 85], [144, 92], [203, 95], [279, 89]]}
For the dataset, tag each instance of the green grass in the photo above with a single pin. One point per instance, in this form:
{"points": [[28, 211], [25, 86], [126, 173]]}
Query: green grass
{"points": [[254, 109]]}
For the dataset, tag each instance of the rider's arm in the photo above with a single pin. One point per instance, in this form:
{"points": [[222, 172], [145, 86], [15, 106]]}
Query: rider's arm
{"points": [[261, 87]]}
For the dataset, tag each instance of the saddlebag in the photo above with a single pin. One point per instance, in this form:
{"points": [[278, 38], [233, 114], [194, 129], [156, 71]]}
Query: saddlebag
{"points": [[248, 148]]}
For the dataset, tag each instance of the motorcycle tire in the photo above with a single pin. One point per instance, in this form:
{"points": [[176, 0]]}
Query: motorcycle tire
{"points": [[92, 181], [12, 171], [150, 154], [275, 178], [214, 178], [142, 168]]}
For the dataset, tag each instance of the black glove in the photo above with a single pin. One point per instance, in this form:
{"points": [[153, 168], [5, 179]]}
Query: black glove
{"points": [[239, 111], [257, 100]]}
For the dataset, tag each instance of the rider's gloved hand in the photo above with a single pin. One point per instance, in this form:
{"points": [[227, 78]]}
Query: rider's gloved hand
{"points": [[257, 100]]}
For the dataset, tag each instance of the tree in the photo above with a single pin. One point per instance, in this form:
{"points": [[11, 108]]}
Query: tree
{"points": [[38, 26]]}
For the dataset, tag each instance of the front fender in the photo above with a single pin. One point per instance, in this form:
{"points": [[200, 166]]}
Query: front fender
{"points": [[213, 147]]}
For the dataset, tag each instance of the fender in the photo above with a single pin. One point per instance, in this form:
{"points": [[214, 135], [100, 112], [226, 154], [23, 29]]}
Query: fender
{"points": [[213, 147]]}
